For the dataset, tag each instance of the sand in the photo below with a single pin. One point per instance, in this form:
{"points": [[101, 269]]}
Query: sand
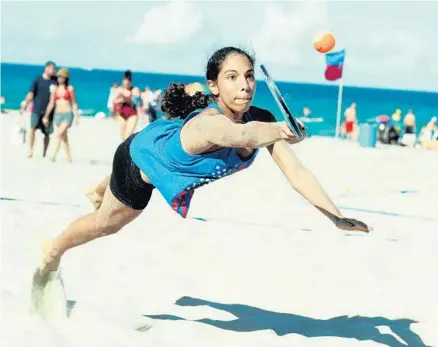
{"points": [[253, 265]]}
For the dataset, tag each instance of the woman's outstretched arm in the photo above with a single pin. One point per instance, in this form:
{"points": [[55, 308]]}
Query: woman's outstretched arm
{"points": [[305, 183], [212, 128]]}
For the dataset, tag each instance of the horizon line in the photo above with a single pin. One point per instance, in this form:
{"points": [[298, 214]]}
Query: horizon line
{"points": [[333, 84]]}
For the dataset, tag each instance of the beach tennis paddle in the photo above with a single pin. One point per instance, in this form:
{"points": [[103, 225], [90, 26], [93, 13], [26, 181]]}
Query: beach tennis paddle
{"points": [[297, 128]]}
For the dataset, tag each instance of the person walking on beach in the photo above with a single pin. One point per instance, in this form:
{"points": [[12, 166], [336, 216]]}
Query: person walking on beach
{"points": [[126, 102], [217, 135], [351, 121], [63, 101], [39, 93]]}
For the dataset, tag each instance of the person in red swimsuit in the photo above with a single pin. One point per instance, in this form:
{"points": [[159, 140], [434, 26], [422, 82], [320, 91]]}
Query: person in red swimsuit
{"points": [[349, 126], [126, 103], [351, 122]]}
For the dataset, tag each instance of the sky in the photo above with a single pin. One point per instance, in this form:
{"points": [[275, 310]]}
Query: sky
{"points": [[390, 44]]}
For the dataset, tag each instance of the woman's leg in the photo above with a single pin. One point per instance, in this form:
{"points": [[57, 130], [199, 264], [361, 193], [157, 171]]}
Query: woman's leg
{"points": [[110, 218], [57, 144], [122, 123], [66, 145], [131, 123], [60, 133], [95, 194]]}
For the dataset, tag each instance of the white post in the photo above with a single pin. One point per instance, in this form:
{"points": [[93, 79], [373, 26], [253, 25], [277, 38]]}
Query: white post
{"points": [[339, 107]]}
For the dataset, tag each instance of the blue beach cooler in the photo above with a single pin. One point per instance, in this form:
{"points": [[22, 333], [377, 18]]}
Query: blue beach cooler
{"points": [[367, 135]]}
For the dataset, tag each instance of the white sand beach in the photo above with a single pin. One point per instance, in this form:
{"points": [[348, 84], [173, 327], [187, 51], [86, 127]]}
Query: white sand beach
{"points": [[253, 265]]}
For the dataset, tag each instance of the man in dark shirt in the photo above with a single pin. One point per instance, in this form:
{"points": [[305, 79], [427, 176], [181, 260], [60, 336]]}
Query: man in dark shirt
{"points": [[40, 94]]}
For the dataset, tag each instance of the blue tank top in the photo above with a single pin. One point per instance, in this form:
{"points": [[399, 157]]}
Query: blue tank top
{"points": [[158, 152]]}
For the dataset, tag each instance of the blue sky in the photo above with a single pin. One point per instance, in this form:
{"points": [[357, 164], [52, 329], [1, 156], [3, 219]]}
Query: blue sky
{"points": [[390, 44]]}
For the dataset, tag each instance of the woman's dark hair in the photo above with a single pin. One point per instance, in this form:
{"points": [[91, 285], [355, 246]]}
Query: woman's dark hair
{"points": [[214, 64], [128, 75], [178, 104]]}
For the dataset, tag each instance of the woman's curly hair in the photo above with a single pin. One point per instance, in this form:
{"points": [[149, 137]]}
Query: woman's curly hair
{"points": [[178, 104]]}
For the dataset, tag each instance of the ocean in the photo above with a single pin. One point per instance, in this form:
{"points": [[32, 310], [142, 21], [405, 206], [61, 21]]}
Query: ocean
{"points": [[92, 88]]}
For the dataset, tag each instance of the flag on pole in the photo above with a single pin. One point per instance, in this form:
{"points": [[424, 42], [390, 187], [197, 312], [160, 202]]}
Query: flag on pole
{"points": [[334, 64]]}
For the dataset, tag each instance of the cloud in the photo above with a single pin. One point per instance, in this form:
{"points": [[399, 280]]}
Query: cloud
{"points": [[434, 68], [47, 33], [174, 22], [389, 52], [285, 30], [404, 50]]}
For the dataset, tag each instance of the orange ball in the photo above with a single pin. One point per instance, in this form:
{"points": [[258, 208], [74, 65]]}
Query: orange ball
{"points": [[324, 43]]}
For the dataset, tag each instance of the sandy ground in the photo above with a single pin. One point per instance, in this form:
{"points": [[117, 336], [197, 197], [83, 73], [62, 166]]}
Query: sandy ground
{"points": [[253, 265]]}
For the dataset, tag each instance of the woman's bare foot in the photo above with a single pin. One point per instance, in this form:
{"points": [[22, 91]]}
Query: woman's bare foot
{"points": [[94, 197], [48, 299]]}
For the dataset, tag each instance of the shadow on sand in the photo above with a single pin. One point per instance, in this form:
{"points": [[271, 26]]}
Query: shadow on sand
{"points": [[253, 319]]}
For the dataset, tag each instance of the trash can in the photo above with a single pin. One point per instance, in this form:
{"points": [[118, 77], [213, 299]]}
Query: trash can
{"points": [[367, 135]]}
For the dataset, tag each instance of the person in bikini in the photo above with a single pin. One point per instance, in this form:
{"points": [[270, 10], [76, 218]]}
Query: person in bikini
{"points": [[215, 136], [126, 103], [63, 101]]}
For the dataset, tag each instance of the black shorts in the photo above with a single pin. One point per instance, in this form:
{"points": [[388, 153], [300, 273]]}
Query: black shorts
{"points": [[409, 129], [36, 122], [126, 183]]}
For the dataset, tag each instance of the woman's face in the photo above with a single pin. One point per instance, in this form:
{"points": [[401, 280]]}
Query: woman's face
{"points": [[235, 86], [61, 80], [126, 83]]}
